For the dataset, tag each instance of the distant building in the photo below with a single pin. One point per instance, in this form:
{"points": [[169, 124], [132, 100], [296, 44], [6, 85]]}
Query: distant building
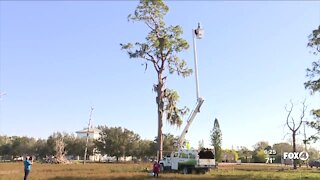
{"points": [[94, 133]]}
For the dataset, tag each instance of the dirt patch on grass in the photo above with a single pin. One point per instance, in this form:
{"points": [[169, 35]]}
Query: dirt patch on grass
{"points": [[9, 172]]}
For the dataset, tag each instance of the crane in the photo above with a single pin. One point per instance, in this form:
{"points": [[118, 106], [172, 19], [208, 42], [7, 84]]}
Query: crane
{"points": [[193, 114], [186, 159], [197, 33]]}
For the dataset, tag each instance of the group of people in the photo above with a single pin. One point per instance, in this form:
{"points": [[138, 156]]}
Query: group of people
{"points": [[27, 166]]}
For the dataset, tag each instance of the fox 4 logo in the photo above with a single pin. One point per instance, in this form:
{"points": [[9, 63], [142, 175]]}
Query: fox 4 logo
{"points": [[296, 155]]}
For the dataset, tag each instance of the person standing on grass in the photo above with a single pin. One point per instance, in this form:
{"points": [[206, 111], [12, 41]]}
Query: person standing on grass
{"points": [[156, 169], [27, 166]]}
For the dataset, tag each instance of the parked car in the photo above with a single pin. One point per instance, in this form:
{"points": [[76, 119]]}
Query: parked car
{"points": [[18, 158], [314, 163]]}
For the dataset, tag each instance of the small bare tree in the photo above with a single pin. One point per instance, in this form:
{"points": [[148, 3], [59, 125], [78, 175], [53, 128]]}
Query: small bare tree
{"points": [[294, 126], [60, 151]]}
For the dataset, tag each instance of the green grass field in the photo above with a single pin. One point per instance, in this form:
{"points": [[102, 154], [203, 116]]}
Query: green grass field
{"points": [[137, 171]]}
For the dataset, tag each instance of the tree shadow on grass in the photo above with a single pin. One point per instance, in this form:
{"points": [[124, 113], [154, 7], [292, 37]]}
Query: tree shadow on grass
{"points": [[223, 177], [142, 177], [95, 178]]}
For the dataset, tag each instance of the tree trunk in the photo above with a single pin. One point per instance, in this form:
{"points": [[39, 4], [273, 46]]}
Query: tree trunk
{"points": [[160, 104], [294, 148]]}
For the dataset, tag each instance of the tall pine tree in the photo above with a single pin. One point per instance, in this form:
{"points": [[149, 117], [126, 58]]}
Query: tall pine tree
{"points": [[160, 51], [216, 139], [313, 83]]}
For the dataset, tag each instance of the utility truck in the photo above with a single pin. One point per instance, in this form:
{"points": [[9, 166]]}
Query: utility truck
{"points": [[188, 160]]}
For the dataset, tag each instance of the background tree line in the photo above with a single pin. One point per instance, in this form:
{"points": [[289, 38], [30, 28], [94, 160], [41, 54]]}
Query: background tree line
{"points": [[15, 146], [119, 142], [113, 141], [261, 151]]}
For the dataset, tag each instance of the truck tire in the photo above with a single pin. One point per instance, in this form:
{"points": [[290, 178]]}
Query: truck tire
{"points": [[203, 171], [185, 170], [161, 168]]}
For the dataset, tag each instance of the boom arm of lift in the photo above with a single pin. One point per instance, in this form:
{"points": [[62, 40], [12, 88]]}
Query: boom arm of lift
{"points": [[193, 114]]}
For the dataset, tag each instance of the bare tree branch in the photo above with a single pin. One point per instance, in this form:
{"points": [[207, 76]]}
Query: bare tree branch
{"points": [[155, 64], [285, 135], [149, 26], [304, 108], [288, 116], [293, 123]]}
